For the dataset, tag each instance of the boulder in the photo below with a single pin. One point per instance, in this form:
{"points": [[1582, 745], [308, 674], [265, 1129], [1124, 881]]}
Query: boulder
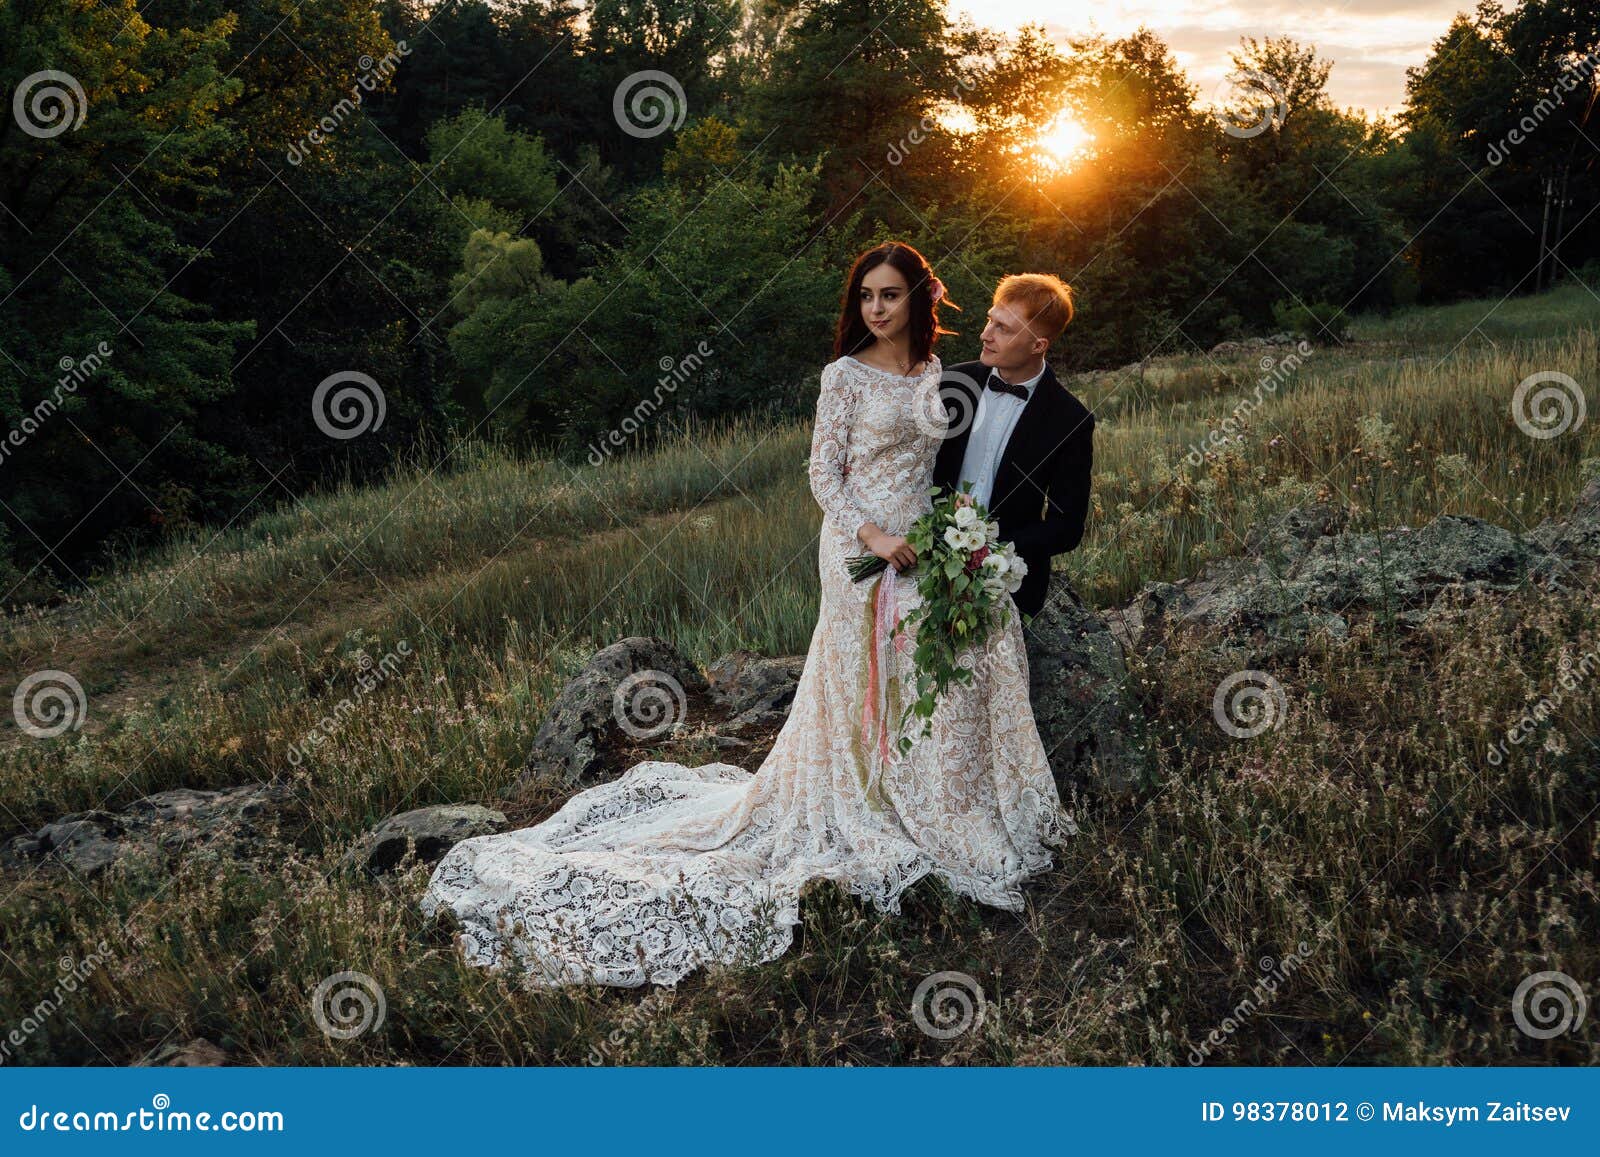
{"points": [[634, 689], [1303, 574], [1287, 537], [1574, 539], [754, 690], [198, 1053], [237, 823], [429, 832], [1254, 343], [86, 842], [1090, 722]]}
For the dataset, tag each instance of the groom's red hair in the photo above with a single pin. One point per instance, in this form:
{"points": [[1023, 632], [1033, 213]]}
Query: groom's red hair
{"points": [[1043, 298]]}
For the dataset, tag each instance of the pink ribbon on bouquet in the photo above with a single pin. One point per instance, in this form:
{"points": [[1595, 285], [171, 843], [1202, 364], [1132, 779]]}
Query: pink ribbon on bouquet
{"points": [[875, 708]]}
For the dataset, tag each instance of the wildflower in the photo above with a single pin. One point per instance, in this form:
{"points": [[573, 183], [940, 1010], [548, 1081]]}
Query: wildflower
{"points": [[1377, 436]]}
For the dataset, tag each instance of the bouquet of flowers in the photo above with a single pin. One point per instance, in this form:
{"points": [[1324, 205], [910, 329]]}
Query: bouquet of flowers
{"points": [[966, 577]]}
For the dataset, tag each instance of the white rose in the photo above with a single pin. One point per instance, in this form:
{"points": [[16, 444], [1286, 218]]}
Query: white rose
{"points": [[975, 538], [965, 516], [998, 563], [1015, 565], [954, 537]]}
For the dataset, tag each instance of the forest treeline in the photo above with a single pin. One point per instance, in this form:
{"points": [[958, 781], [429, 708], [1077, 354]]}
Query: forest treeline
{"points": [[248, 249]]}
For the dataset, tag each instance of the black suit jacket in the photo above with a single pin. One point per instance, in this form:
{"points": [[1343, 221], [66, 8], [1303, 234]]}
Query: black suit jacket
{"points": [[1041, 486]]}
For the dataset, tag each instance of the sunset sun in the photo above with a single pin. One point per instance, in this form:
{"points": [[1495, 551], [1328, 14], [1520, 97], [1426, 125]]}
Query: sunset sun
{"points": [[1063, 142]]}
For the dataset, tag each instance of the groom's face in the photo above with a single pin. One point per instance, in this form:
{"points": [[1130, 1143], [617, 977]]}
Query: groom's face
{"points": [[1008, 341]]}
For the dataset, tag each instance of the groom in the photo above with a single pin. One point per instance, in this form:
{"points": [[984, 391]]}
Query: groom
{"points": [[1017, 434]]}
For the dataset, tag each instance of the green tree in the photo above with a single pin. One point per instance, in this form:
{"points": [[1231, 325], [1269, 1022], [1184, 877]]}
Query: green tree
{"points": [[716, 303], [634, 40], [106, 364], [863, 94]]}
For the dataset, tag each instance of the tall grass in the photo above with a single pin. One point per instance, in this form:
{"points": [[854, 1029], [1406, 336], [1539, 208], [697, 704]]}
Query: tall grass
{"points": [[1424, 881]]}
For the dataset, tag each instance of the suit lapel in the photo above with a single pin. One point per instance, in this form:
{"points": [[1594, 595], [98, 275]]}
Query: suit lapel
{"points": [[1030, 423], [954, 448]]}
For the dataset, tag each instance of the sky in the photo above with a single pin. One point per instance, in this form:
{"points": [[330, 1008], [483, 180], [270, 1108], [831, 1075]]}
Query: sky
{"points": [[1371, 42]]}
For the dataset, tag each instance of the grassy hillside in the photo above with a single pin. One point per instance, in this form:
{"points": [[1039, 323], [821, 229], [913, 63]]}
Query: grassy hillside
{"points": [[1426, 883]]}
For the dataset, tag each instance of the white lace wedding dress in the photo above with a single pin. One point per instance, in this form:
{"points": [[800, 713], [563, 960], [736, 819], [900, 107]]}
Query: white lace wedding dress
{"points": [[648, 877]]}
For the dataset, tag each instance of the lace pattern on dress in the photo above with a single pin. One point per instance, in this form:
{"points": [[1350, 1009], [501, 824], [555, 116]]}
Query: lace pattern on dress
{"points": [[669, 868]]}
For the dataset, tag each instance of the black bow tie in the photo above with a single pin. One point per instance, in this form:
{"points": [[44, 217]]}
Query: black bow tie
{"points": [[1000, 385]]}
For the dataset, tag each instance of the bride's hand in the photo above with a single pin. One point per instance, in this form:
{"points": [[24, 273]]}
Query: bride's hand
{"points": [[893, 549]]}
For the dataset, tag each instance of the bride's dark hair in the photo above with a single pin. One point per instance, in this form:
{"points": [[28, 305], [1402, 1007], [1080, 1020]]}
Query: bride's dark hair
{"points": [[927, 294]]}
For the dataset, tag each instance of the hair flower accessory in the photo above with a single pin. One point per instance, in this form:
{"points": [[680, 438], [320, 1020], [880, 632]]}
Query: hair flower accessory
{"points": [[936, 289]]}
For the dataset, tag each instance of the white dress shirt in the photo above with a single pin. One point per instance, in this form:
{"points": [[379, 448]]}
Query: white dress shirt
{"points": [[991, 429]]}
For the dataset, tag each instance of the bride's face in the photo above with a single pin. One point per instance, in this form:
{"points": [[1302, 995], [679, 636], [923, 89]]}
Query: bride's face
{"points": [[885, 302]]}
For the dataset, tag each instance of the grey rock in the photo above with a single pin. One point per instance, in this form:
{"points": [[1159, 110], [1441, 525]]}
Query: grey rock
{"points": [[429, 831], [187, 803], [587, 714], [234, 824], [1287, 537], [80, 844], [1254, 343], [1574, 539], [757, 691], [198, 1053], [1306, 575], [1088, 718]]}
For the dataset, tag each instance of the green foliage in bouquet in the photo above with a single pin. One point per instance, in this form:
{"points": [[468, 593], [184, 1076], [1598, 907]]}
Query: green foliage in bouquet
{"points": [[962, 598]]}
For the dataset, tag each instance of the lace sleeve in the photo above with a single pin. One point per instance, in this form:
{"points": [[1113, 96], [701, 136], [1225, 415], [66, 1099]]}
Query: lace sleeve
{"points": [[830, 449]]}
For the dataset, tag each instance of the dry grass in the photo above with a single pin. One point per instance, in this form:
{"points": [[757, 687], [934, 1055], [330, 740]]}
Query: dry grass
{"points": [[1424, 881]]}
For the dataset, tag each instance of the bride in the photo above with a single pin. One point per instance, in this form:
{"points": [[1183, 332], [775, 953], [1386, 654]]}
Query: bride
{"points": [[668, 868]]}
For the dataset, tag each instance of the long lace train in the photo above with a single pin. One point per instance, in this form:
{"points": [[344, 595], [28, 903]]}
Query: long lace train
{"points": [[670, 867]]}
